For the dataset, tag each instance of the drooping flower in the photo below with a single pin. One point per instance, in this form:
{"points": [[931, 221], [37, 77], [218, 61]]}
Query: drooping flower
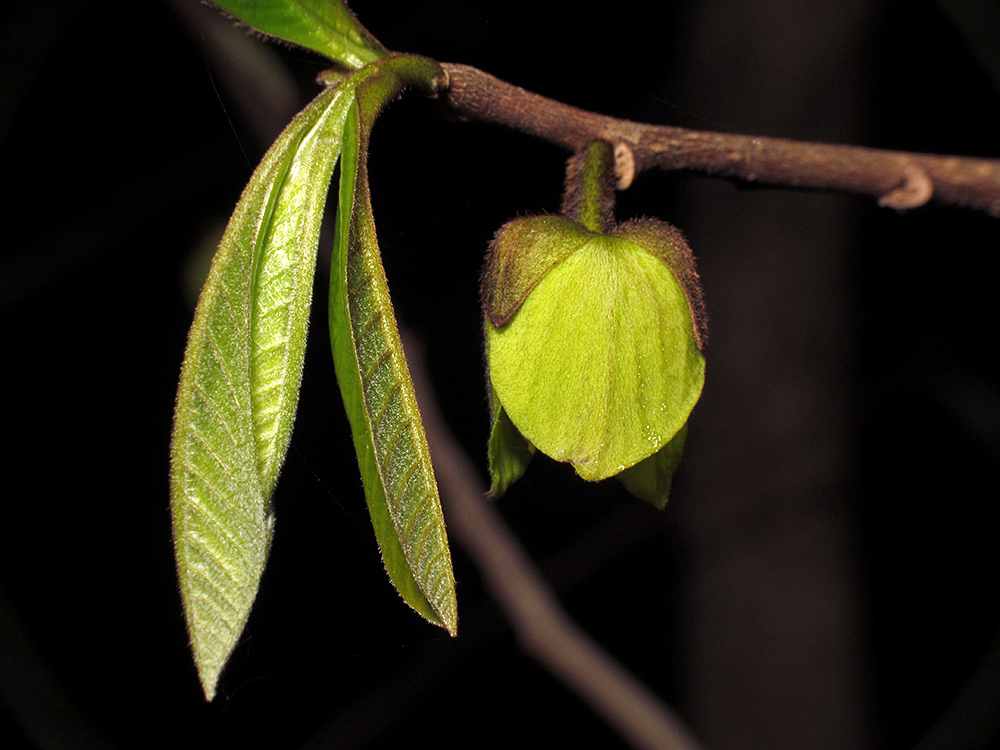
{"points": [[594, 348]]}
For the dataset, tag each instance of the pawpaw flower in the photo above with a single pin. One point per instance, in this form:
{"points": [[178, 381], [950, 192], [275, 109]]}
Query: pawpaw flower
{"points": [[593, 347]]}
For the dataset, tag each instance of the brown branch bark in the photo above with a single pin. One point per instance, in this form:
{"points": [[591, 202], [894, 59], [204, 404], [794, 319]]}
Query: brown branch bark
{"points": [[898, 179]]}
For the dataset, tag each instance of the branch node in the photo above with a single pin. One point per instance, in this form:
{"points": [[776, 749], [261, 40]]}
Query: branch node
{"points": [[901, 180], [916, 190], [442, 83], [624, 165]]}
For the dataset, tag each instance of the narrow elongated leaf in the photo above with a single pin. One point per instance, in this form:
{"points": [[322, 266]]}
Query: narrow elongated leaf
{"points": [[283, 279], [240, 381], [376, 387], [324, 26]]}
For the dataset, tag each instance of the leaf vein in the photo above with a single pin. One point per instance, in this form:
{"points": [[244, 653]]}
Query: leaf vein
{"points": [[368, 378], [224, 369], [362, 285], [415, 512], [195, 503], [192, 430], [199, 547]]}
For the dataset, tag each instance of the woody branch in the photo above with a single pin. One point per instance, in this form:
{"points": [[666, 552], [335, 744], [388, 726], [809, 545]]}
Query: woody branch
{"points": [[897, 179]]}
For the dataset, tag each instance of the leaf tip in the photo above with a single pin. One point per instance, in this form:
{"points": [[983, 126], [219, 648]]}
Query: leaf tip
{"points": [[446, 609], [452, 625], [209, 681], [209, 659], [449, 621]]}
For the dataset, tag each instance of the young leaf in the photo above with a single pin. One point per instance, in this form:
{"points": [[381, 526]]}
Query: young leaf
{"points": [[375, 382], [240, 380], [324, 26]]}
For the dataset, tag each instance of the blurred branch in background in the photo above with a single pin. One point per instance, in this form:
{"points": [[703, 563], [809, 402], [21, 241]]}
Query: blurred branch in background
{"points": [[374, 712], [776, 647], [543, 628]]}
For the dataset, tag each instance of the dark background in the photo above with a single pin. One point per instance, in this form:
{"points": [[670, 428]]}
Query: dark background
{"points": [[852, 371]]}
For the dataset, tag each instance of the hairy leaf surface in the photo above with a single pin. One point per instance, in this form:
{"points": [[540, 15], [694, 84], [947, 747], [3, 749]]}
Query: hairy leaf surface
{"points": [[240, 380], [324, 26], [522, 252], [375, 381]]}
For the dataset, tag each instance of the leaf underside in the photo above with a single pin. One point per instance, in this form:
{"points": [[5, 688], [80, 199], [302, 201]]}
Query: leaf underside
{"points": [[324, 26], [377, 390], [240, 381]]}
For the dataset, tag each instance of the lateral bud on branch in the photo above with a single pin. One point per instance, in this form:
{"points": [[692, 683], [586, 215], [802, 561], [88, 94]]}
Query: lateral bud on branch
{"points": [[916, 190], [950, 180]]}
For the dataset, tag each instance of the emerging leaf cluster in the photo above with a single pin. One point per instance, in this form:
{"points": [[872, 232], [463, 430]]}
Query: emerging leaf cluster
{"points": [[240, 380], [593, 338]]}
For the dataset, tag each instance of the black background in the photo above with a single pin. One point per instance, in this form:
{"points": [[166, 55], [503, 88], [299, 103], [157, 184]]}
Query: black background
{"points": [[123, 153]]}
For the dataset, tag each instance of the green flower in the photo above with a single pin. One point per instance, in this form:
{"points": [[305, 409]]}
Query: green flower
{"points": [[594, 349]]}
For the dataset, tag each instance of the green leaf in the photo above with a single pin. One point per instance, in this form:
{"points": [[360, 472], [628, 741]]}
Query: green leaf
{"points": [[324, 26], [374, 378], [240, 381], [509, 453], [600, 366], [650, 479]]}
